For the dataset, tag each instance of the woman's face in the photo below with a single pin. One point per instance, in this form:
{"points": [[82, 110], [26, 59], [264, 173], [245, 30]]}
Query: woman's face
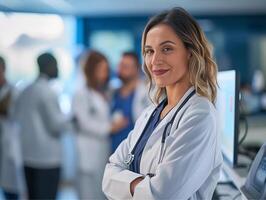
{"points": [[101, 73], [166, 56]]}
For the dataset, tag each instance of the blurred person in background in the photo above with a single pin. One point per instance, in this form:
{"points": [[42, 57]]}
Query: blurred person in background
{"points": [[250, 101], [258, 81], [259, 89], [92, 115], [131, 98], [253, 99], [41, 123], [9, 152]]}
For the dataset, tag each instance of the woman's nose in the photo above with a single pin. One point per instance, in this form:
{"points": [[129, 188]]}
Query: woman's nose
{"points": [[156, 58]]}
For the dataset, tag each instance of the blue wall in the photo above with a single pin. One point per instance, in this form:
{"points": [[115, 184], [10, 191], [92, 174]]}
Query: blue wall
{"points": [[230, 35]]}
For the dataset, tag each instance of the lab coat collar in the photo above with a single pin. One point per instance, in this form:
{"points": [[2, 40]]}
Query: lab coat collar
{"points": [[43, 77], [171, 113], [157, 133]]}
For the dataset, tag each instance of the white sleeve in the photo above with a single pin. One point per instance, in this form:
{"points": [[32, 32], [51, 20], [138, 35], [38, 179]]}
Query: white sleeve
{"points": [[117, 177], [89, 123], [188, 160]]}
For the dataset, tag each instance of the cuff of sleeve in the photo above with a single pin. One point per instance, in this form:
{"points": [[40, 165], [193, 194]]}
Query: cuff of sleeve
{"points": [[124, 179]]}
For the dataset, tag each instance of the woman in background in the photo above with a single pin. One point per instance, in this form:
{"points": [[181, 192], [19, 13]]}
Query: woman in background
{"points": [[92, 116], [11, 170]]}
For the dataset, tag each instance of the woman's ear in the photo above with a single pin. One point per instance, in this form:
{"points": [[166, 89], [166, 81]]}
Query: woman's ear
{"points": [[189, 55]]}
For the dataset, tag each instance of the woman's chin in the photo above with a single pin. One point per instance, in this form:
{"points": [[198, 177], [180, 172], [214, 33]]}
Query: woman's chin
{"points": [[160, 85]]}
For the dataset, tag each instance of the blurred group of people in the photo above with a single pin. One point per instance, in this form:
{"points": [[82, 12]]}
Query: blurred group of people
{"points": [[101, 118], [253, 96]]}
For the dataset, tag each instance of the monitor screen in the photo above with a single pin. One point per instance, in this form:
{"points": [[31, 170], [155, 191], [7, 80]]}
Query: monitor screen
{"points": [[227, 107]]}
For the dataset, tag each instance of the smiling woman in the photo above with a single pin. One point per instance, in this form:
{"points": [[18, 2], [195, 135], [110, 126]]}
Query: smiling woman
{"points": [[173, 152], [181, 43], [167, 60], [166, 57]]}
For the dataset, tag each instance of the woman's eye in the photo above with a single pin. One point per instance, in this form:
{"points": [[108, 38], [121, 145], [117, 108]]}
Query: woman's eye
{"points": [[148, 52], [167, 49]]}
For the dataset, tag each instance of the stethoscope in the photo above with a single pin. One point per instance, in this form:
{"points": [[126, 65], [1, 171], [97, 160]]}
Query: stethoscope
{"points": [[167, 130]]}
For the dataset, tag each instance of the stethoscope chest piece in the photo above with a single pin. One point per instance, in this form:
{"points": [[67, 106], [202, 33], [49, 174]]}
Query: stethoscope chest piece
{"points": [[129, 159]]}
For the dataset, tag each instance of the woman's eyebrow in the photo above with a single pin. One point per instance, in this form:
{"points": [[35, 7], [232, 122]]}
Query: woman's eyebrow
{"points": [[147, 46], [162, 43], [167, 41]]}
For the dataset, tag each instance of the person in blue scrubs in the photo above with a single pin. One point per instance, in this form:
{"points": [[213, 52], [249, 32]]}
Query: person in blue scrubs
{"points": [[122, 105], [130, 99]]}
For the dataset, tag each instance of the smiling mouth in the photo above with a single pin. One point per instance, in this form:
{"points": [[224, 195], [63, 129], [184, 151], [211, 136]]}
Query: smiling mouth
{"points": [[159, 72]]}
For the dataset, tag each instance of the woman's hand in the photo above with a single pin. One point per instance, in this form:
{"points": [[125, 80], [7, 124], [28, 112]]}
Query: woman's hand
{"points": [[134, 183], [118, 125]]}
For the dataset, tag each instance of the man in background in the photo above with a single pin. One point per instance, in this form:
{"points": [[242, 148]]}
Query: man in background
{"points": [[41, 123], [131, 98]]}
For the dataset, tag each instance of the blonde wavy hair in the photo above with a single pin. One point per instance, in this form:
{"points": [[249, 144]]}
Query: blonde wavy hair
{"points": [[202, 67]]}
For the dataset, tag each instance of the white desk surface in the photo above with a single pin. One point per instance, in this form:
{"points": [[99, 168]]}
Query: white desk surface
{"points": [[256, 136]]}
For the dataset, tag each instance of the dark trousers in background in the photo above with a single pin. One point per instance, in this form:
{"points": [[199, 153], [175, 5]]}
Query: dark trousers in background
{"points": [[42, 183], [10, 195]]}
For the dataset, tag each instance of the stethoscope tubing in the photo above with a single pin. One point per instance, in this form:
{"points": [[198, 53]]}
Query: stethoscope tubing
{"points": [[166, 132], [168, 127]]}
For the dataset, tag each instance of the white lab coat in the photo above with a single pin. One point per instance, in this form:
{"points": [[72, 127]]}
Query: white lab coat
{"points": [[141, 100], [11, 178], [93, 123], [191, 164], [41, 123], [93, 127], [11, 161]]}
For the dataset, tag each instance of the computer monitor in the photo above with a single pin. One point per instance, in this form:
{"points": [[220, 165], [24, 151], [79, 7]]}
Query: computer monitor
{"points": [[228, 113]]}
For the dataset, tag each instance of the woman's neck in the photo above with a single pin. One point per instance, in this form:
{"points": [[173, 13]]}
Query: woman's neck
{"points": [[176, 92]]}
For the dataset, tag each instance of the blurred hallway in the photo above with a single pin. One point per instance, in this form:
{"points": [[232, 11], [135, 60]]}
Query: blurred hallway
{"points": [[65, 193]]}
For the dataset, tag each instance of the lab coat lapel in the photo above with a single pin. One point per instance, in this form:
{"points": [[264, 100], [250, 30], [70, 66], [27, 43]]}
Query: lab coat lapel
{"points": [[152, 147], [157, 133]]}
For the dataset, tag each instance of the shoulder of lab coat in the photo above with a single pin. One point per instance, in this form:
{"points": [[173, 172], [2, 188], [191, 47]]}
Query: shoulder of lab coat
{"points": [[46, 104], [96, 123], [190, 162], [117, 177]]}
